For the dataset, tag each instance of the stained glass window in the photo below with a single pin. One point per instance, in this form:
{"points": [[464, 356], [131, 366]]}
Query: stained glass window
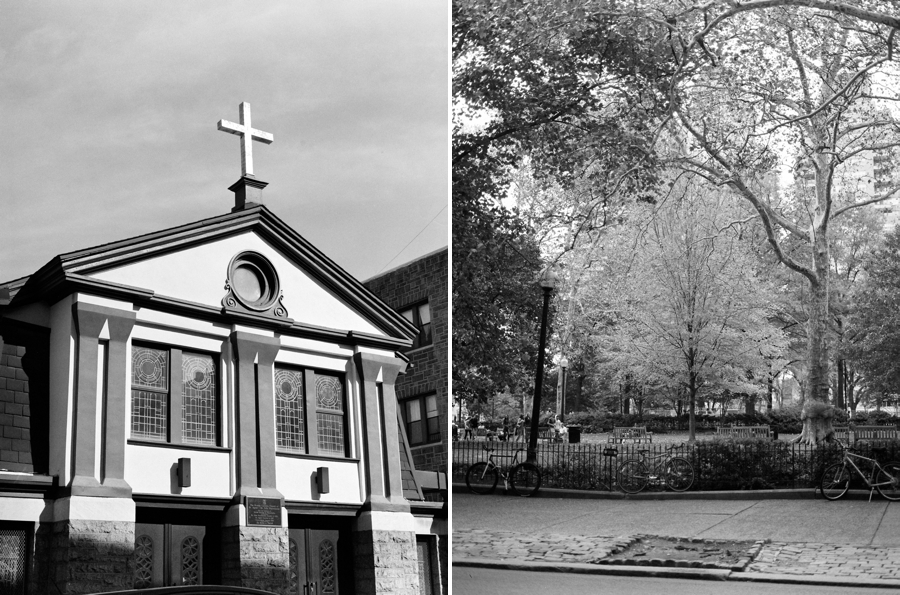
{"points": [[149, 392], [289, 424], [163, 401], [330, 415], [199, 399]]}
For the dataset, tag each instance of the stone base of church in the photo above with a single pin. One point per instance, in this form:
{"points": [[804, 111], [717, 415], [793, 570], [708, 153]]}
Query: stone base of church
{"points": [[385, 562], [83, 556], [256, 557]]}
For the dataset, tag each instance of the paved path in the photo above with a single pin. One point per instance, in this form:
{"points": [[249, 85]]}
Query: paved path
{"points": [[811, 538]]}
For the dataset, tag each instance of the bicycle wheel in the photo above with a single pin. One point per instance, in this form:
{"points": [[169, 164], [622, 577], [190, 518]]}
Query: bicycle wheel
{"points": [[525, 479], [679, 474], [889, 472], [481, 478], [633, 476], [835, 481]]}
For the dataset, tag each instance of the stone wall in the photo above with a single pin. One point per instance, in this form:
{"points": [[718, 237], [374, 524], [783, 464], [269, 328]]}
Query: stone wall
{"points": [[76, 556], [385, 563], [413, 283], [256, 557], [24, 397]]}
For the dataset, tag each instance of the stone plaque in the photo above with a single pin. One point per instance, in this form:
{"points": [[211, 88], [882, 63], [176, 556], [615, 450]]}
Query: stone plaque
{"points": [[263, 512]]}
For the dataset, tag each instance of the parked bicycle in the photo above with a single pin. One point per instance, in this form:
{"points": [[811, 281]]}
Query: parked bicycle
{"points": [[884, 478], [523, 477], [664, 469]]}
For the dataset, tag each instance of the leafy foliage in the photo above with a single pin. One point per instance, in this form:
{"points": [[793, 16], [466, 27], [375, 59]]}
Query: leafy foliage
{"points": [[876, 309]]}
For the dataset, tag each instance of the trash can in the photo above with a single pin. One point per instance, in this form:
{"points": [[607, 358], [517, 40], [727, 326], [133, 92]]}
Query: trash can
{"points": [[574, 434]]}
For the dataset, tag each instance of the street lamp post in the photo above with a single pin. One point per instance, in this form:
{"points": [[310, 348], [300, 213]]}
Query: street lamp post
{"points": [[548, 282], [561, 401]]}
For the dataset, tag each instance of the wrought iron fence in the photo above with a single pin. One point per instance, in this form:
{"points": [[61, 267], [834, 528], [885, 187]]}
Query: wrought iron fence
{"points": [[742, 464]]}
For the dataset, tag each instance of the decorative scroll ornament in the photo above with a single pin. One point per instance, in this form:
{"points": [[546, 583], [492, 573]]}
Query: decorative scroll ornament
{"points": [[252, 286]]}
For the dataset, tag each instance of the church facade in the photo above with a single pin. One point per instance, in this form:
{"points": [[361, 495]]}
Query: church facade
{"points": [[209, 404]]}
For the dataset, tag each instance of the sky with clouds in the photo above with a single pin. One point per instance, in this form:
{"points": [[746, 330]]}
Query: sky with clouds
{"points": [[110, 108]]}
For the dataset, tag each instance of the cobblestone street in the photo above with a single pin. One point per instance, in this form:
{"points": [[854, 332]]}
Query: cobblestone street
{"points": [[817, 559], [513, 546], [805, 559]]}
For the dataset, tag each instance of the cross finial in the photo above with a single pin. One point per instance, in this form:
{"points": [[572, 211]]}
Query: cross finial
{"points": [[244, 130]]}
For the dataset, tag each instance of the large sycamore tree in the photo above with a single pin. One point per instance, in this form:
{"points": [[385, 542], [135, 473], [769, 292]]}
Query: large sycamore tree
{"points": [[814, 88]]}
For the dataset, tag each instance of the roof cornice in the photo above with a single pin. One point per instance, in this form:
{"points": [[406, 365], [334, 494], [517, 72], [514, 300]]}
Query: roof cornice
{"points": [[69, 271], [146, 298]]}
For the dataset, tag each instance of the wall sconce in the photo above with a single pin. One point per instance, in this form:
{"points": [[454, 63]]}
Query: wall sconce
{"points": [[184, 473], [322, 480]]}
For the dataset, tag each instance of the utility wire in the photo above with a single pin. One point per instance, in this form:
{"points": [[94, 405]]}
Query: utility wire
{"points": [[414, 239]]}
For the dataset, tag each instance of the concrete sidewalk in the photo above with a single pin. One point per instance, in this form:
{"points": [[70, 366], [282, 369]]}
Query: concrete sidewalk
{"points": [[848, 542]]}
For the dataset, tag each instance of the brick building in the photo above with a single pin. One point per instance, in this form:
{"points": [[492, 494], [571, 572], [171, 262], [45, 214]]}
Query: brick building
{"points": [[213, 403], [419, 290]]}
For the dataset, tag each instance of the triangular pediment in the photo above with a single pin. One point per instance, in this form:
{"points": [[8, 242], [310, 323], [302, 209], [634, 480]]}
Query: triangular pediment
{"points": [[198, 274], [190, 265]]}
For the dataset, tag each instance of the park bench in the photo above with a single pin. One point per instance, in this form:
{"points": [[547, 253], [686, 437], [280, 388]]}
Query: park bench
{"points": [[842, 433], [544, 433], [635, 434], [745, 431]]}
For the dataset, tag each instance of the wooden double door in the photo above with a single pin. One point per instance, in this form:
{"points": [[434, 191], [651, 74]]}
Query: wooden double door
{"points": [[167, 554], [314, 561]]}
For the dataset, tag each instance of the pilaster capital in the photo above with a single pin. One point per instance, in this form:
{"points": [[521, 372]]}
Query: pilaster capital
{"points": [[369, 365], [250, 346], [90, 318]]}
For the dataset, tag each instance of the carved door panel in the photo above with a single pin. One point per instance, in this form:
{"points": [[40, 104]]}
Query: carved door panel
{"points": [[314, 561], [168, 555], [149, 555], [185, 555]]}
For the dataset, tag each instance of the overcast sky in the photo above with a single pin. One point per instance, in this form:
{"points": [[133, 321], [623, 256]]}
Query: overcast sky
{"points": [[109, 115]]}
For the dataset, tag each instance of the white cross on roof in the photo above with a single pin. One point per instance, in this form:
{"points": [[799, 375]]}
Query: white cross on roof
{"points": [[243, 130]]}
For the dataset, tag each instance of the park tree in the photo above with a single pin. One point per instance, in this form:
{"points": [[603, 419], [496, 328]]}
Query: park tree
{"points": [[585, 90], [496, 306], [691, 308], [561, 104], [812, 84], [876, 312]]}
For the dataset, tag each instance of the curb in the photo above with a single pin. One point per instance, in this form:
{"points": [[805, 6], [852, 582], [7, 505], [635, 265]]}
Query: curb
{"points": [[582, 568], [822, 581], [782, 494], [683, 573]]}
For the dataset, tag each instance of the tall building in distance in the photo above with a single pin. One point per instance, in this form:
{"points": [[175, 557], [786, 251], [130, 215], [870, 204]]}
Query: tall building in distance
{"points": [[860, 178]]}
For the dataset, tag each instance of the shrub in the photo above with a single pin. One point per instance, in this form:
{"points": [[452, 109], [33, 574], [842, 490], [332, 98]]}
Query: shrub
{"points": [[879, 418]]}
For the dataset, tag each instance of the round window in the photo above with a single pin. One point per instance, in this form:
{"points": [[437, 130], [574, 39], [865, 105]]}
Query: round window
{"points": [[253, 281]]}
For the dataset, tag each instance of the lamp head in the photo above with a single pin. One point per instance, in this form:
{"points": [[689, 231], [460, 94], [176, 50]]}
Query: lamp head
{"points": [[563, 363], [549, 279]]}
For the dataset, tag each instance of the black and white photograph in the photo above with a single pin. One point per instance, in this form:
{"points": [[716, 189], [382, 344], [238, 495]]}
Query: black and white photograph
{"points": [[224, 297], [675, 285]]}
